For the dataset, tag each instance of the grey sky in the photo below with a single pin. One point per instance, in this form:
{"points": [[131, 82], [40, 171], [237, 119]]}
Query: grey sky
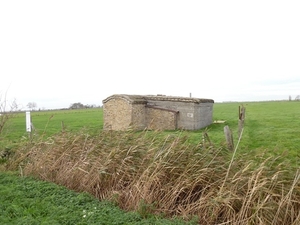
{"points": [[56, 53]]}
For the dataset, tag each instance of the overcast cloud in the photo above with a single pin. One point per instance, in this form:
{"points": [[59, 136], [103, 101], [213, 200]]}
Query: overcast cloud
{"points": [[55, 53]]}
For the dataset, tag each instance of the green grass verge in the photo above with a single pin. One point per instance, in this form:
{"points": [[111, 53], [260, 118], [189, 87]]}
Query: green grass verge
{"points": [[25, 200]]}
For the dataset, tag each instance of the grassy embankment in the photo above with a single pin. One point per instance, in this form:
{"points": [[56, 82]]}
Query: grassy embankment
{"points": [[175, 173]]}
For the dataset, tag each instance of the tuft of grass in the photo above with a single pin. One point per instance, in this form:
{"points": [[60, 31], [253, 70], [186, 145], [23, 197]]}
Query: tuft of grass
{"points": [[154, 173]]}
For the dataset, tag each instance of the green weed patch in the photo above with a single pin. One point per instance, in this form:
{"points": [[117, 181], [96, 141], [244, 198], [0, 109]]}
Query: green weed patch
{"points": [[25, 200]]}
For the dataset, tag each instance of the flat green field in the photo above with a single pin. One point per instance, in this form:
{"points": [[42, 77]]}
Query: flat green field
{"points": [[47, 123], [273, 126]]}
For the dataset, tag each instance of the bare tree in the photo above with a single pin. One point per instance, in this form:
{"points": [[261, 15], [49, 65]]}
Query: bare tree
{"points": [[31, 105], [7, 111]]}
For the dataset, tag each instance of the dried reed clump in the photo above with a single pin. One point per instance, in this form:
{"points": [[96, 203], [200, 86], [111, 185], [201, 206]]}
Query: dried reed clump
{"points": [[145, 172]]}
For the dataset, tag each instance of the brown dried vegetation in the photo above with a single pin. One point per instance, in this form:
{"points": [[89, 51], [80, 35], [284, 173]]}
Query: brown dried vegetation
{"points": [[167, 175]]}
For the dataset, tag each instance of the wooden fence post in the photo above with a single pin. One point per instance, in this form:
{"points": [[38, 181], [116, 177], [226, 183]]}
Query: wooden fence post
{"points": [[228, 132], [229, 137], [242, 115], [205, 138]]}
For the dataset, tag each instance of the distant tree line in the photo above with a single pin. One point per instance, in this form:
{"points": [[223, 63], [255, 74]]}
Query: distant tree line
{"points": [[79, 105]]}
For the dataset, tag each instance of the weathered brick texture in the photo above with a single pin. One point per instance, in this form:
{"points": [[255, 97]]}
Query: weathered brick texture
{"points": [[117, 114], [161, 119]]}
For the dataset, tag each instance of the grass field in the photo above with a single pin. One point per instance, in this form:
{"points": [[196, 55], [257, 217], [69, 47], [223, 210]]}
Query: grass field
{"points": [[172, 172], [47, 123], [272, 126]]}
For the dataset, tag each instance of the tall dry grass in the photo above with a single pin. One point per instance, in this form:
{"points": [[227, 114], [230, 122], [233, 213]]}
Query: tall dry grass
{"points": [[145, 172]]}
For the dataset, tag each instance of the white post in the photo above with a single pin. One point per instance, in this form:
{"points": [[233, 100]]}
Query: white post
{"points": [[28, 122]]}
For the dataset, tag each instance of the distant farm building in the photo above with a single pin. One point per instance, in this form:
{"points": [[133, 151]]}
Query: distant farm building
{"points": [[156, 112]]}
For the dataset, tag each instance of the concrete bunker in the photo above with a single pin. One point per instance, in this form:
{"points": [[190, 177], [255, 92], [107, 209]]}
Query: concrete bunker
{"points": [[122, 111]]}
